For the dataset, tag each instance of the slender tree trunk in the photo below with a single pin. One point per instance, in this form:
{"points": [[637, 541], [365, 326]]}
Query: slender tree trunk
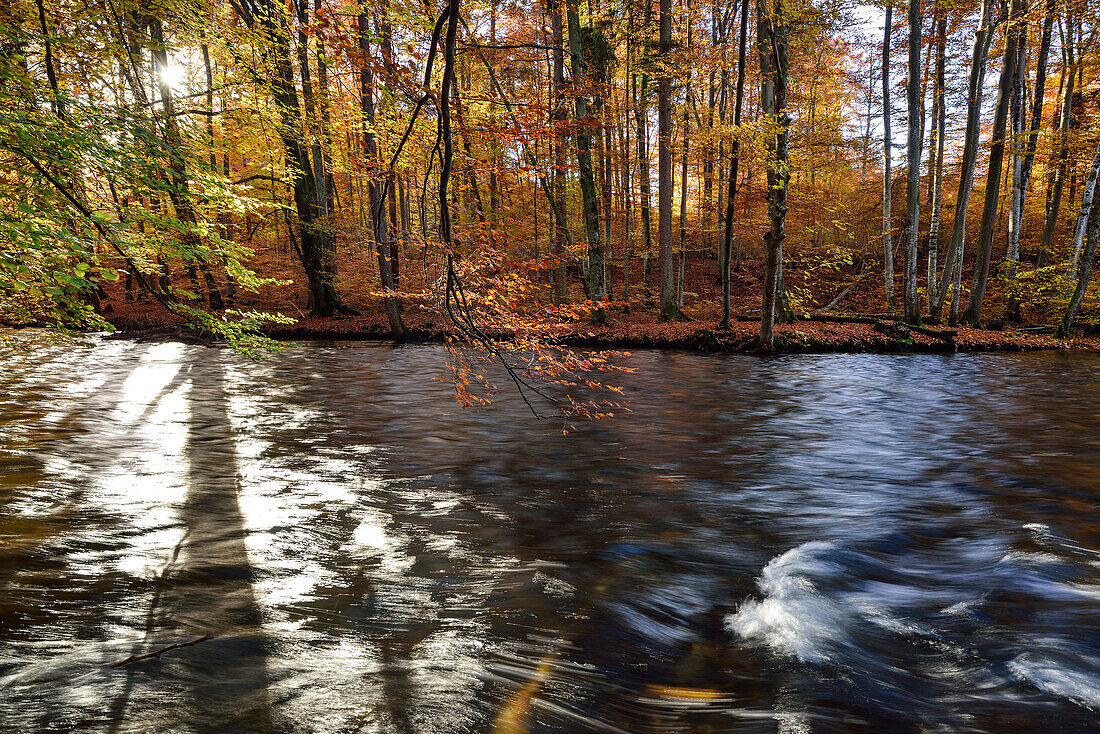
{"points": [[956, 291], [709, 205], [1052, 167], [216, 300], [939, 132], [867, 125], [1083, 216], [602, 99], [494, 144], [667, 306], [1089, 213], [771, 37], [973, 311], [1040, 90], [952, 266], [624, 153], [385, 33], [558, 291], [406, 218], [179, 192], [325, 124], [301, 8], [684, 150], [1054, 203], [735, 150], [471, 175], [312, 240], [914, 124], [313, 105], [887, 144], [57, 102], [641, 115], [1016, 164], [377, 205], [930, 72], [589, 199], [607, 151], [683, 205]]}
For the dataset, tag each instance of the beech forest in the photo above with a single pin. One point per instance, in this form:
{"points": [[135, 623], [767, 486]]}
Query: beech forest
{"points": [[484, 168]]}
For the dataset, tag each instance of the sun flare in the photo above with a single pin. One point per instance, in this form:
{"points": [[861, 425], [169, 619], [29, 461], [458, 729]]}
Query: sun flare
{"points": [[174, 75]]}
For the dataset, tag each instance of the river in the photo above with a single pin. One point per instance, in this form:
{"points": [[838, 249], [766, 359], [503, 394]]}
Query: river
{"points": [[797, 544]]}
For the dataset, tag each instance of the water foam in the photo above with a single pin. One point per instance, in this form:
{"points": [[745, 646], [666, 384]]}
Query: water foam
{"points": [[794, 618], [1057, 679]]}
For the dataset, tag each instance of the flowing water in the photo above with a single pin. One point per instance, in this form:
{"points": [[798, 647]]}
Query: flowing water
{"points": [[794, 544]]}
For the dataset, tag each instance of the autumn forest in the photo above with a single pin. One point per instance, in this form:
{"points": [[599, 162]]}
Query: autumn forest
{"points": [[483, 167]]}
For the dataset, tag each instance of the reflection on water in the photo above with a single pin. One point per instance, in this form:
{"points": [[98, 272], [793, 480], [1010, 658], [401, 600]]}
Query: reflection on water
{"points": [[801, 544]]}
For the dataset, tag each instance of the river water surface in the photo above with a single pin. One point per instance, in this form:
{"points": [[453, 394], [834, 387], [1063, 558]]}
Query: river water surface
{"points": [[796, 544]]}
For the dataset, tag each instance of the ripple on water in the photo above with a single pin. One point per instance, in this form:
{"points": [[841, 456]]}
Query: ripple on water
{"points": [[830, 543]]}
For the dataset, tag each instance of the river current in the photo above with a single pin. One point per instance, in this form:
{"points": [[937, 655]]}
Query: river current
{"points": [[834, 543]]}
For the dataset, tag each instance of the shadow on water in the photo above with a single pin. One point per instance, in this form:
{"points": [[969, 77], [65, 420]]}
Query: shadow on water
{"points": [[207, 588]]}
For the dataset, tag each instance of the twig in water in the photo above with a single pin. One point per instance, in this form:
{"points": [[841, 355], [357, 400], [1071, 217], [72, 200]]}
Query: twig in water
{"points": [[127, 661], [157, 653]]}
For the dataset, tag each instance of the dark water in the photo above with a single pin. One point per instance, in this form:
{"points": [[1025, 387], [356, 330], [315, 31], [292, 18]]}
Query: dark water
{"points": [[797, 544]]}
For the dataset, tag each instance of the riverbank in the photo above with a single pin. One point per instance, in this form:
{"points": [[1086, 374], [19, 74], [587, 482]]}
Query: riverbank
{"points": [[629, 325], [641, 330]]}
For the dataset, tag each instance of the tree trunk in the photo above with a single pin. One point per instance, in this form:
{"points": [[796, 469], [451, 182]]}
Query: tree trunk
{"points": [[471, 174], [377, 205], [683, 205], [952, 266], [914, 124], [1040, 89], [1089, 213], [641, 115], [684, 150], [216, 300], [385, 33], [589, 198], [938, 132], [771, 35], [1083, 216], [558, 291], [1016, 165], [887, 143], [313, 240], [735, 150], [993, 178], [179, 192], [301, 8], [324, 106], [624, 154], [664, 170], [494, 143], [606, 151], [1054, 203]]}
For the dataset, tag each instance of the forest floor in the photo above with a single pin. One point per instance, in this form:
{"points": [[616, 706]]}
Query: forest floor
{"points": [[634, 324], [641, 329]]}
